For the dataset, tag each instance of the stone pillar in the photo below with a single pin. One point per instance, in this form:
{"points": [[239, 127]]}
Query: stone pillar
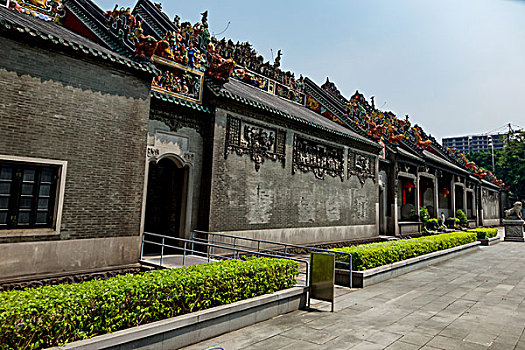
{"points": [[475, 204], [480, 208], [465, 200], [395, 211], [436, 198], [418, 194], [453, 197], [377, 185]]}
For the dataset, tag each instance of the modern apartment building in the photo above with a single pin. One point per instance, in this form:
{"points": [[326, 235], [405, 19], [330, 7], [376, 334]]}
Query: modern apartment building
{"points": [[474, 143]]}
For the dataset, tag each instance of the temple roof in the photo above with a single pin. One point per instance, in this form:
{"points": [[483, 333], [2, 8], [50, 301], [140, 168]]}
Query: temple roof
{"points": [[246, 94], [14, 24], [431, 156]]}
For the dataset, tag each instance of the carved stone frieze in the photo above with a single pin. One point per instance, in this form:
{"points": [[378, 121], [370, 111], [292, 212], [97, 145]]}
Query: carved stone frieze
{"points": [[176, 121], [319, 158], [361, 165], [298, 127], [260, 142]]}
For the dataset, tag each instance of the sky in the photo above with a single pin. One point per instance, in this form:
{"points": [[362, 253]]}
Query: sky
{"points": [[455, 67]]}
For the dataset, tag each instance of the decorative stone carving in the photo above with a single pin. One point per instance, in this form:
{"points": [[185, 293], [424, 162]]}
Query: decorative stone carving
{"points": [[176, 121], [425, 169], [189, 157], [362, 166], [259, 141], [152, 152], [321, 159]]}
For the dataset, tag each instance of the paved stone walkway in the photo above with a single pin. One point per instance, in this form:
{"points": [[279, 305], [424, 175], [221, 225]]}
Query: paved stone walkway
{"points": [[475, 301]]}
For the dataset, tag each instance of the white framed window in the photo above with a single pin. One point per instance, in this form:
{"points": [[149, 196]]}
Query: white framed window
{"points": [[31, 193]]}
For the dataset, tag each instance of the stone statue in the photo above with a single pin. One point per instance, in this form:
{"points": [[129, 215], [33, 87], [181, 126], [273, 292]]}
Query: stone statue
{"points": [[514, 213], [514, 224]]}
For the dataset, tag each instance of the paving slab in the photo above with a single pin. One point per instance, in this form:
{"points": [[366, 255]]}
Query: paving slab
{"points": [[474, 301]]}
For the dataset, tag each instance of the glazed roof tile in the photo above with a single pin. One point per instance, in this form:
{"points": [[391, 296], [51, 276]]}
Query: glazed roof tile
{"points": [[21, 24], [246, 94], [86, 12]]}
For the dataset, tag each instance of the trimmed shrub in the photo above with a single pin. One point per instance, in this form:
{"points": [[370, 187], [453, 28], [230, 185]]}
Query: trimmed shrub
{"points": [[485, 233], [55, 315], [462, 217], [451, 222], [424, 216], [372, 255]]}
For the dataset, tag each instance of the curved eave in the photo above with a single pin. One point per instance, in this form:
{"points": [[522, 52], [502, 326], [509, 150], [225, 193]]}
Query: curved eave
{"points": [[183, 103]]}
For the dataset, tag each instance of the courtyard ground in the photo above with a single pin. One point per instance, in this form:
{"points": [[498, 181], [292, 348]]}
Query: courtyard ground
{"points": [[475, 301]]}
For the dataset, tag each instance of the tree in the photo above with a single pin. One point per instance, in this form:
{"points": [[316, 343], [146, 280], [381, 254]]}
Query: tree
{"points": [[512, 163], [483, 159], [509, 162]]}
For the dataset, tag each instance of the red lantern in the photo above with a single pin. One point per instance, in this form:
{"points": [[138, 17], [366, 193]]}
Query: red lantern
{"points": [[409, 185], [444, 192]]}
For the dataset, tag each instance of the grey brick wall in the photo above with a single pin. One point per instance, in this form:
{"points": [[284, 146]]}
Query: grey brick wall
{"points": [[272, 198], [90, 115]]}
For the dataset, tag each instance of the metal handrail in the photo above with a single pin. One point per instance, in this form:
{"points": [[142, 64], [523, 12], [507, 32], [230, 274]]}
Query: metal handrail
{"points": [[283, 246], [189, 246]]}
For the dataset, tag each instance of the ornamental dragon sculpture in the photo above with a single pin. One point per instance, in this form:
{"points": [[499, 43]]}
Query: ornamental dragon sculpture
{"points": [[219, 68]]}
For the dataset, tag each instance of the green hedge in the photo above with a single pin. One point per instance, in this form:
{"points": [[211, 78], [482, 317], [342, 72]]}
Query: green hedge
{"points": [[367, 256], [485, 233], [55, 315]]}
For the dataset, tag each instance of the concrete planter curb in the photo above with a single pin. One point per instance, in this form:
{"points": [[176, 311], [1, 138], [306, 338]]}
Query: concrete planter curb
{"points": [[361, 279], [490, 241], [188, 329]]}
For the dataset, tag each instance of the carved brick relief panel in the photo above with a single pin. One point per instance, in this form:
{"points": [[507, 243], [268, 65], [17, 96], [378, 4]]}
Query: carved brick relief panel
{"points": [[319, 158], [361, 165], [259, 141]]}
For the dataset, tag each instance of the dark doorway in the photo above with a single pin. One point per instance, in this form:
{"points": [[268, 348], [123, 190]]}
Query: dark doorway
{"points": [[426, 195], [165, 198], [470, 205], [458, 194]]}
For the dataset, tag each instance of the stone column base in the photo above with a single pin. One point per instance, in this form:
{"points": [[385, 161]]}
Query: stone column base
{"points": [[514, 230]]}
